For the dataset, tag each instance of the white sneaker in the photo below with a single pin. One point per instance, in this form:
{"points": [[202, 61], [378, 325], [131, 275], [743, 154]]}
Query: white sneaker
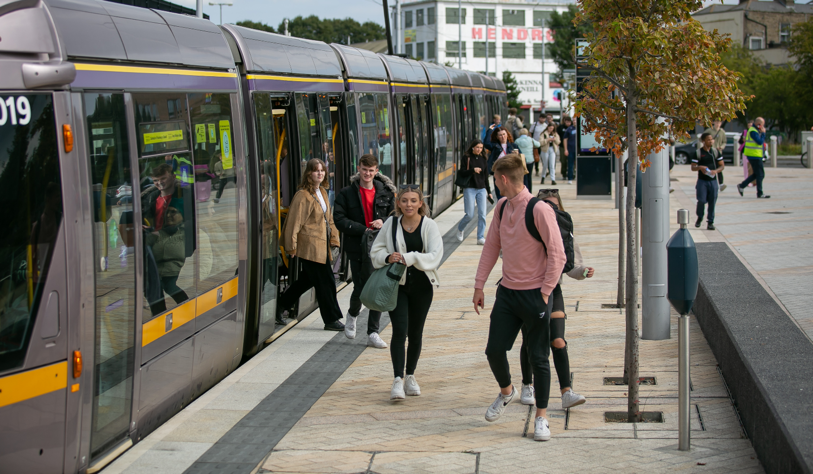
{"points": [[569, 182], [350, 326], [494, 412], [481, 241], [541, 429], [411, 386], [460, 236], [571, 399], [722, 187], [527, 395], [397, 392], [374, 340]]}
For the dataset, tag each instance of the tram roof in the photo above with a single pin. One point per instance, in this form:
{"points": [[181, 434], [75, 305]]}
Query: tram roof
{"points": [[272, 53], [459, 77], [404, 70], [99, 30], [488, 81], [437, 74], [361, 63]]}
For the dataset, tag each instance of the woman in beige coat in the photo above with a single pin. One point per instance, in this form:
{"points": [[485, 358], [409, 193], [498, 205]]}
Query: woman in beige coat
{"points": [[547, 153], [309, 233]]}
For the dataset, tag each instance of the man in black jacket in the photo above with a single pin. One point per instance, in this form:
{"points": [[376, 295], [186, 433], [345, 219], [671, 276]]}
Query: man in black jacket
{"points": [[365, 204]]}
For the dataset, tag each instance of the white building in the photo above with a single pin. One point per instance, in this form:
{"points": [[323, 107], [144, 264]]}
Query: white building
{"points": [[428, 30]]}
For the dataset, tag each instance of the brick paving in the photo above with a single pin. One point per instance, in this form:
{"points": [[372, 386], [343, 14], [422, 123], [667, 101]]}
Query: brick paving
{"points": [[354, 427]]}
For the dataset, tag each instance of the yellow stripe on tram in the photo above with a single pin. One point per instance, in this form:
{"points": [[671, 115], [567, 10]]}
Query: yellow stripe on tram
{"points": [[208, 300], [360, 81], [151, 70], [292, 79], [33, 383], [410, 85], [445, 174]]}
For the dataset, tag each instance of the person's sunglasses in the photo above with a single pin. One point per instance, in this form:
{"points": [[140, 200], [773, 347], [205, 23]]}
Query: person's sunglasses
{"points": [[414, 187], [548, 191]]}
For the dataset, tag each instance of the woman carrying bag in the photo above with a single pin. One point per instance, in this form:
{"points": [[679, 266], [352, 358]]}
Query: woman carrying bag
{"points": [[473, 178], [309, 233], [420, 248], [547, 154], [499, 143]]}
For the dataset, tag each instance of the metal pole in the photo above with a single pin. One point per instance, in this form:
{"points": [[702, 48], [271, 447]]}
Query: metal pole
{"points": [[460, 35], [542, 109], [486, 43], [654, 234], [285, 22], [387, 28], [199, 9], [773, 151], [684, 395], [398, 26], [221, 13], [737, 155], [809, 151]]}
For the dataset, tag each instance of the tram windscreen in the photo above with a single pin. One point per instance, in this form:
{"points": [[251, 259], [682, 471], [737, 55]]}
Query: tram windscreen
{"points": [[30, 212]]}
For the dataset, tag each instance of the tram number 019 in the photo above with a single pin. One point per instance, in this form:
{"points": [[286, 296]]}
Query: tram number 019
{"points": [[15, 110]]}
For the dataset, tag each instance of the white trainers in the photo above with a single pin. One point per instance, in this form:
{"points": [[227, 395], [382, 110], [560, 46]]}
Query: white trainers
{"points": [[571, 399], [722, 187], [374, 340], [527, 395], [481, 241], [460, 236], [411, 386], [541, 429], [350, 326], [569, 182], [496, 409], [397, 392]]}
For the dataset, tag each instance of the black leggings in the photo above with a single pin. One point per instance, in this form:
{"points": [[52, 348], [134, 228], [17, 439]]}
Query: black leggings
{"points": [[223, 183], [408, 319], [320, 277], [557, 331]]}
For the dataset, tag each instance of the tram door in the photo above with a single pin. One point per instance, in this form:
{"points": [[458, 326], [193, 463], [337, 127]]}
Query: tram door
{"points": [[344, 162], [422, 173], [114, 259], [403, 141]]}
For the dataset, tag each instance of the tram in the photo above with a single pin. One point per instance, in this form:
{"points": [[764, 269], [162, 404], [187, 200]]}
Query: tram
{"points": [[147, 161]]}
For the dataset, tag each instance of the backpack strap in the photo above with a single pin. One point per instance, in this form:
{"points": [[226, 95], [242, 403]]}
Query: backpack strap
{"points": [[530, 224], [502, 208]]}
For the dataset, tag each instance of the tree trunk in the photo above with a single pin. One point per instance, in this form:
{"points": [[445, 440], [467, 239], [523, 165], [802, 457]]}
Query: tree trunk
{"points": [[632, 264], [622, 261]]}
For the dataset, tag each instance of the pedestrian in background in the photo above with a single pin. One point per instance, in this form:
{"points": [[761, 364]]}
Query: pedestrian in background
{"points": [[754, 148], [474, 166], [550, 143], [536, 130], [570, 150], [746, 166], [420, 248], [560, 130], [499, 143], [363, 205], [718, 134], [708, 163], [526, 146]]}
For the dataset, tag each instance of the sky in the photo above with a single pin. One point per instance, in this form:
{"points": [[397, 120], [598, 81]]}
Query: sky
{"points": [[272, 12]]}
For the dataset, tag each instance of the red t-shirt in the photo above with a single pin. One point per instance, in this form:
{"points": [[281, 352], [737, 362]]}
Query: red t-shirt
{"points": [[161, 205], [367, 198]]}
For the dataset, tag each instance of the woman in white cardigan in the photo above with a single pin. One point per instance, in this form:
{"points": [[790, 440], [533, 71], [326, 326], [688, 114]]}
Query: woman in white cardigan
{"points": [[420, 248]]}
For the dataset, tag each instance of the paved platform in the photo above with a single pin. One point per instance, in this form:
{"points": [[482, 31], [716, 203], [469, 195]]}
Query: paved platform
{"points": [[349, 424]]}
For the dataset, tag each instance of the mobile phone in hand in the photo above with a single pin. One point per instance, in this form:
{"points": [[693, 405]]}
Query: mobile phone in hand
{"points": [[586, 271]]}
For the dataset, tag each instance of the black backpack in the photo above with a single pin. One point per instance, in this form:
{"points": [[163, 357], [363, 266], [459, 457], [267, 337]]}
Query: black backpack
{"points": [[565, 228]]}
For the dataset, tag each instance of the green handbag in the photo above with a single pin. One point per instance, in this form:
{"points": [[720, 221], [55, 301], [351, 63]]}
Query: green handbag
{"points": [[380, 293]]}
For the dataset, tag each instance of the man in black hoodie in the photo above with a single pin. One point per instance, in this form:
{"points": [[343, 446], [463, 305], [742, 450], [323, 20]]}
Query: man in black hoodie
{"points": [[365, 204]]}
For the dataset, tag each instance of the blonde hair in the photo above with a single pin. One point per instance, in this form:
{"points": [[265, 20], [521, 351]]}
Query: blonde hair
{"points": [[423, 210], [546, 193], [524, 131]]}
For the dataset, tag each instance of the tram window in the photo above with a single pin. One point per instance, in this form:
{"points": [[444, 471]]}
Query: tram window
{"points": [[443, 123], [114, 230], [307, 116], [369, 129], [167, 209], [327, 149], [482, 116], [215, 172], [401, 106], [282, 156], [353, 132], [382, 110], [31, 212]]}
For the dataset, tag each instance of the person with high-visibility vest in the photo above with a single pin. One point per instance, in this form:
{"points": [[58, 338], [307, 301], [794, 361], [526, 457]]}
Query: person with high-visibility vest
{"points": [[754, 147]]}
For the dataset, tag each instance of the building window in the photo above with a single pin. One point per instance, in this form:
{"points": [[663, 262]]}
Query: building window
{"points": [[430, 16], [513, 50], [480, 15], [541, 15], [430, 50], [480, 49], [407, 19], [513, 17], [419, 17], [538, 51], [408, 50], [784, 33], [419, 51], [451, 49], [755, 43], [451, 16]]}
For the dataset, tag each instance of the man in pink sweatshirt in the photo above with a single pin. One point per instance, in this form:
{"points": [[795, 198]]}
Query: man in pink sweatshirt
{"points": [[529, 275]]}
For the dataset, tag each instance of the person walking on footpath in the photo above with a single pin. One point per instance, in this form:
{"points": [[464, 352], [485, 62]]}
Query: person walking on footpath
{"points": [[560, 130], [526, 146], [718, 134], [420, 248], [363, 205], [708, 164], [536, 131], [550, 143], [558, 344], [746, 167], [754, 147], [570, 151], [474, 167], [523, 294], [311, 235], [499, 143]]}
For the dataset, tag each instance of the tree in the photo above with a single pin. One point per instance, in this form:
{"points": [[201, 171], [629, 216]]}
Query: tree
{"points": [[256, 25], [652, 69], [512, 89], [565, 33]]}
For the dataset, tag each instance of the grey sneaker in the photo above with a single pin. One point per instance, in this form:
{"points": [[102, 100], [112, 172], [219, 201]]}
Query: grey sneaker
{"points": [[527, 395], [722, 187], [411, 386], [350, 326], [541, 429], [481, 241], [494, 412], [397, 392], [571, 399], [374, 340], [460, 236]]}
